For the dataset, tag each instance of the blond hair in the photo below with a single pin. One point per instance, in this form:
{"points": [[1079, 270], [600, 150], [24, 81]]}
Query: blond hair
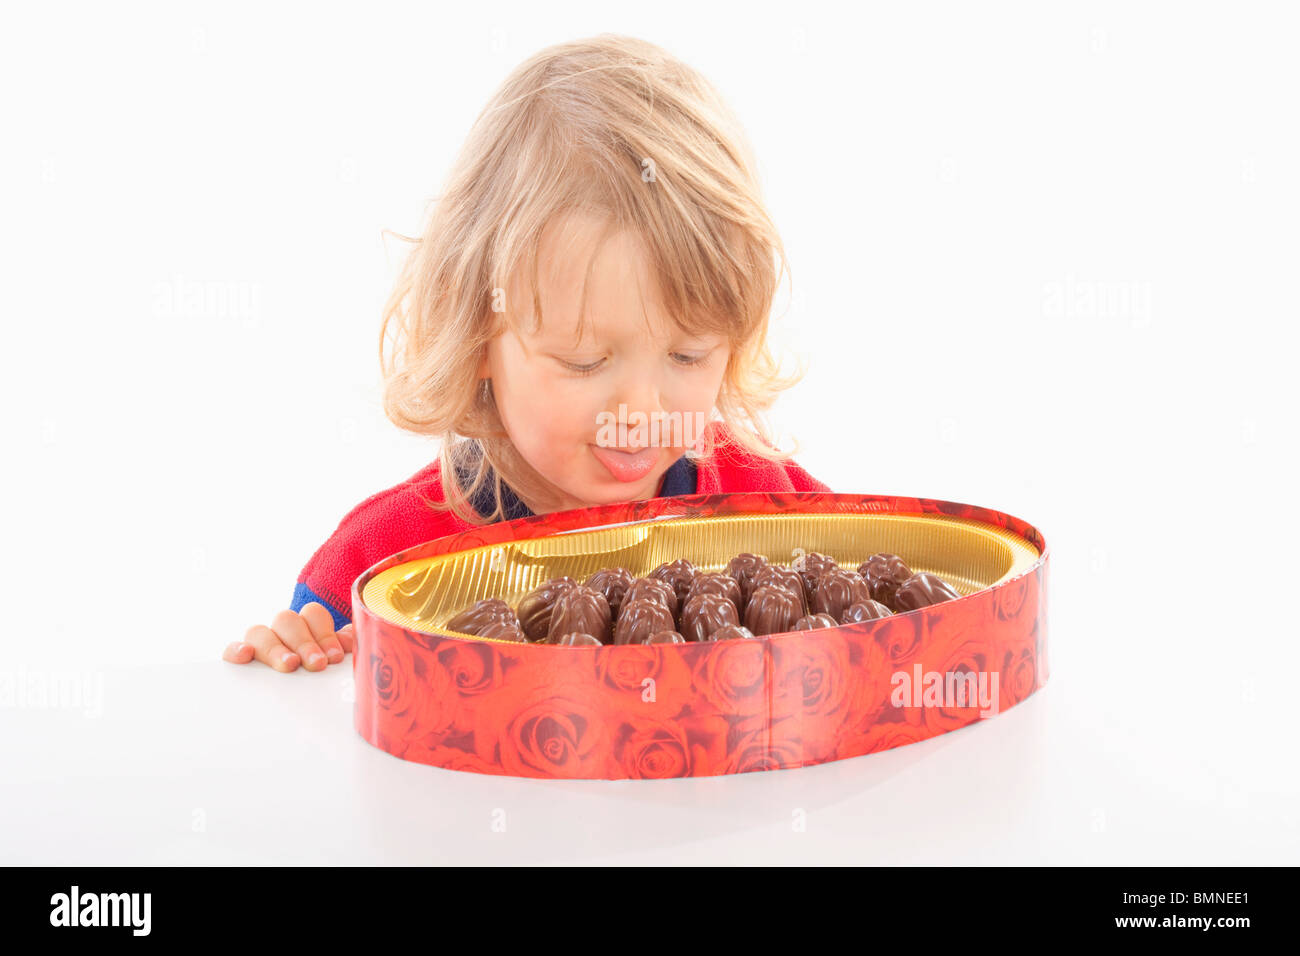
{"points": [[613, 126]]}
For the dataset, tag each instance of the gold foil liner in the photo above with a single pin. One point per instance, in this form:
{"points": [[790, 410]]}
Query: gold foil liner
{"points": [[422, 595]]}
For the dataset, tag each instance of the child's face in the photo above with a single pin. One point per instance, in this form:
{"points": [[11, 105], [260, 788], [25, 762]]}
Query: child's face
{"points": [[551, 390]]}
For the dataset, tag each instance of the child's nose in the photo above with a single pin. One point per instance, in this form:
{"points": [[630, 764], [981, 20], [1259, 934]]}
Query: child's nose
{"points": [[641, 395]]}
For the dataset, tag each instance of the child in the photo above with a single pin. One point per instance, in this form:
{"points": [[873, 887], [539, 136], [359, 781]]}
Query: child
{"points": [[599, 262]]}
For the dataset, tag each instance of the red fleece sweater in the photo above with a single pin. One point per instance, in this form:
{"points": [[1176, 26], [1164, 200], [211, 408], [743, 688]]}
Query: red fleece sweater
{"points": [[398, 518]]}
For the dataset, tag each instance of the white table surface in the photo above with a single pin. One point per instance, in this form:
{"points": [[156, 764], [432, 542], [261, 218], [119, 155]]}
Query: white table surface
{"points": [[214, 763]]}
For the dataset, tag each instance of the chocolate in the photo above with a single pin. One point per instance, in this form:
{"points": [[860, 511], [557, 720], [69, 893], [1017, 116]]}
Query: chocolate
{"points": [[641, 618], [743, 567], [838, 588], [679, 574], [884, 572], [731, 632], [535, 607], [865, 611], [574, 639], [716, 582], [704, 614], [811, 565], [655, 590], [778, 575], [922, 590], [503, 631], [581, 609], [664, 637], [811, 622], [772, 610], [613, 583], [485, 612]]}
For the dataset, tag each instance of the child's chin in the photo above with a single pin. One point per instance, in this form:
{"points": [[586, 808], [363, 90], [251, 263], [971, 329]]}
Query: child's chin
{"points": [[611, 490]]}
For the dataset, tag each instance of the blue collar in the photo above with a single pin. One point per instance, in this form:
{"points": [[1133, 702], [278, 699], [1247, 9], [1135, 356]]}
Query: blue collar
{"points": [[680, 479]]}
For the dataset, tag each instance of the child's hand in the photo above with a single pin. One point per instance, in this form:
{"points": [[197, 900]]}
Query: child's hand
{"points": [[294, 637]]}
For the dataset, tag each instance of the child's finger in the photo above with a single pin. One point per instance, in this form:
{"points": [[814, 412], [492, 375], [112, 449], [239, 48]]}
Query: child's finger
{"points": [[238, 652], [346, 637], [321, 623], [296, 635], [268, 648]]}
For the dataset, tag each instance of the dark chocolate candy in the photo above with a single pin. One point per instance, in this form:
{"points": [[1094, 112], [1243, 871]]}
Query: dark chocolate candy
{"points": [[780, 575], [772, 610], [922, 590], [730, 632], [504, 631], [581, 609], [655, 590], [811, 565], [884, 572], [743, 567], [837, 588], [865, 611], [679, 574], [664, 637], [535, 607], [811, 622], [641, 618], [704, 614], [487, 611], [716, 582], [613, 583], [574, 639]]}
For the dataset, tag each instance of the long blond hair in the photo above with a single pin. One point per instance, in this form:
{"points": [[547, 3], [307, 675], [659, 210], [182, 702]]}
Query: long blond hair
{"points": [[614, 126]]}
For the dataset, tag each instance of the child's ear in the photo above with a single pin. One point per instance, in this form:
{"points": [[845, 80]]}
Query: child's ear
{"points": [[484, 370]]}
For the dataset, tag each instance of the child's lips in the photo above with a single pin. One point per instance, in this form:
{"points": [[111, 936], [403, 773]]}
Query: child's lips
{"points": [[627, 465]]}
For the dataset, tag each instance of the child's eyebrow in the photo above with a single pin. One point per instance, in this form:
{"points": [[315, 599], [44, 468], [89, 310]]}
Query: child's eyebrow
{"points": [[551, 338]]}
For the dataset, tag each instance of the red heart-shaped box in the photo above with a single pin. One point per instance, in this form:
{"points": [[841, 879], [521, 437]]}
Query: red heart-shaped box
{"points": [[460, 702]]}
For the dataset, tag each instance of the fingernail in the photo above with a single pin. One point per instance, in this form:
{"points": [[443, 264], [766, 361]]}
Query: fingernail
{"points": [[316, 658], [335, 655], [290, 660]]}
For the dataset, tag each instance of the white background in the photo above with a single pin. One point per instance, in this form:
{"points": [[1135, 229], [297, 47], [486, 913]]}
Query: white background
{"points": [[1044, 260]]}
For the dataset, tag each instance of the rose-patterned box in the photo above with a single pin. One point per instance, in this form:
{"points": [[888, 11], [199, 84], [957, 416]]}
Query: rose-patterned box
{"points": [[428, 694]]}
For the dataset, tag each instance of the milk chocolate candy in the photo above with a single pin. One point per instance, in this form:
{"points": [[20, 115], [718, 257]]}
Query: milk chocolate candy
{"points": [[811, 565], [580, 609], [772, 610], [704, 614], [641, 618], [811, 622], [574, 639], [487, 611], [535, 607], [730, 632], [781, 576], [613, 583], [716, 582], [865, 611], [679, 574], [838, 588], [884, 572], [664, 637], [922, 590], [743, 567], [655, 590], [503, 631]]}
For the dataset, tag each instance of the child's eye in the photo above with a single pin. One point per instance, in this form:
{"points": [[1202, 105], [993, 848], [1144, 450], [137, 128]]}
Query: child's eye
{"points": [[682, 358], [582, 369]]}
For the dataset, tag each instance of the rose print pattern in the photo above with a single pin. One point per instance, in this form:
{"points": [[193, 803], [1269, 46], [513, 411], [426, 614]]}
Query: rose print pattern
{"points": [[696, 709]]}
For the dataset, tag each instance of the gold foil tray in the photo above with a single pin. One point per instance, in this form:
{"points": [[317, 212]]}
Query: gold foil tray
{"points": [[423, 594]]}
